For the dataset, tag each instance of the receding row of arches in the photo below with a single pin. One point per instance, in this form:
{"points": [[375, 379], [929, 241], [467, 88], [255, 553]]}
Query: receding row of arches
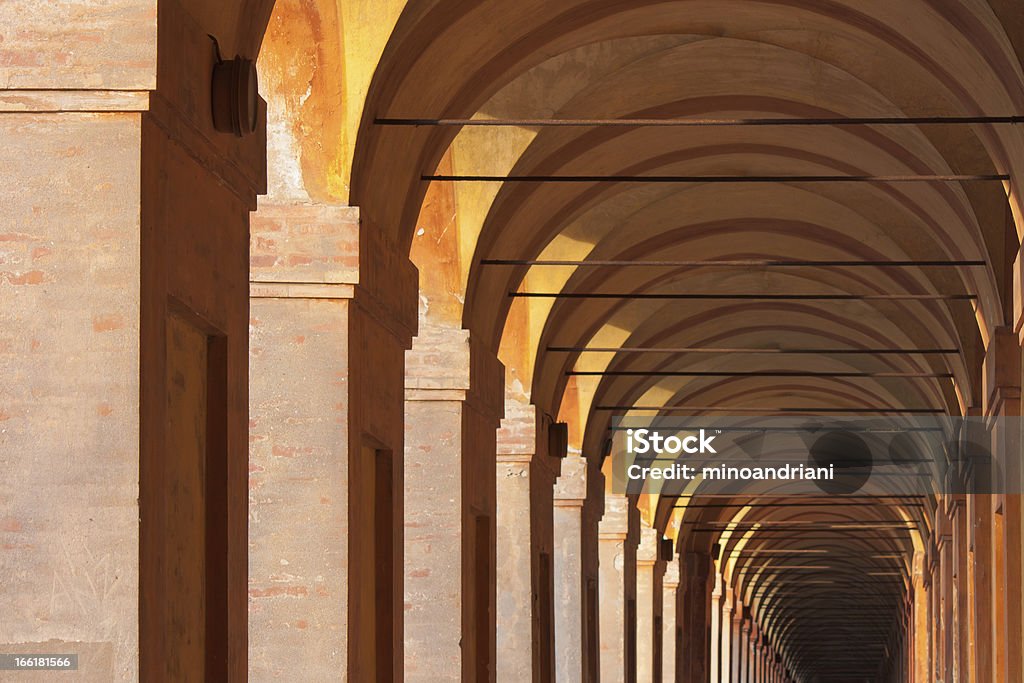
{"points": [[485, 232]]}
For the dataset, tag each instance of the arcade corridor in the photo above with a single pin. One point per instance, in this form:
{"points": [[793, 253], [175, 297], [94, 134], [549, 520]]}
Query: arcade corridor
{"points": [[323, 385]]}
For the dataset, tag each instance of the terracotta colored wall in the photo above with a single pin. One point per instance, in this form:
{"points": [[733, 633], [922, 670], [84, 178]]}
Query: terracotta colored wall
{"points": [[327, 383], [297, 490], [69, 308]]}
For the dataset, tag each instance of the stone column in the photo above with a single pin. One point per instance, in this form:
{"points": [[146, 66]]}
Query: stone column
{"points": [[453, 404], [1001, 391], [517, 602], [123, 342], [961, 593], [932, 577], [944, 540], [745, 676], [570, 630], [727, 626], [669, 609], [616, 572], [71, 278], [525, 616], [762, 658], [646, 559], [696, 606], [715, 620], [326, 411], [921, 624], [736, 667], [755, 649]]}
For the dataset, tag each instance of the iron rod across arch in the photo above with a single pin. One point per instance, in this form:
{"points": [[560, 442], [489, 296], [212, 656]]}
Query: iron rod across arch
{"points": [[756, 373], [740, 263], [705, 296], [754, 351], [726, 410], [699, 122], [720, 179]]}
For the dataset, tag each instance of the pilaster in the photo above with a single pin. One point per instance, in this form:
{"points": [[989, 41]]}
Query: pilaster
{"points": [[646, 597], [453, 404], [669, 618], [727, 635], [617, 576], [1002, 373], [518, 604], [570, 494], [326, 420]]}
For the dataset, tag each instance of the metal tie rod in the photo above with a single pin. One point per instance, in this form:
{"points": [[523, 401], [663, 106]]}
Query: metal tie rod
{"points": [[771, 351], [741, 263], [911, 178], [700, 122], [665, 296], [760, 373], [768, 409]]}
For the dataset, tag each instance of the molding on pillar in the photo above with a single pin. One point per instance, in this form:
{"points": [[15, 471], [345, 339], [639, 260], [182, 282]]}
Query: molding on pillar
{"points": [[614, 524], [672, 578], [323, 252], [1001, 371], [517, 438], [446, 363], [79, 101], [259, 290], [571, 485], [437, 362], [647, 550], [515, 458]]}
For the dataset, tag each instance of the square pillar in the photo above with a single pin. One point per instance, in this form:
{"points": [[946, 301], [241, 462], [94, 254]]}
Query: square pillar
{"points": [[617, 578], [1001, 392], [727, 635], [123, 344], [715, 624], [670, 627], [745, 676], [570, 494], [646, 596], [945, 548], [328, 338], [696, 606], [71, 307], [736, 667], [453, 404], [525, 604]]}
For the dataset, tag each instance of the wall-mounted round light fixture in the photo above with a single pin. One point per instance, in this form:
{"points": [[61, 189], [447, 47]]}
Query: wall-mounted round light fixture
{"points": [[235, 96], [558, 440]]}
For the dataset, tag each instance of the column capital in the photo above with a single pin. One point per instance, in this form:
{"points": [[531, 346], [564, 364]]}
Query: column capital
{"points": [[447, 364], [571, 485], [518, 431], [1001, 370], [322, 251], [671, 579], [647, 551], [438, 361], [730, 599], [614, 524]]}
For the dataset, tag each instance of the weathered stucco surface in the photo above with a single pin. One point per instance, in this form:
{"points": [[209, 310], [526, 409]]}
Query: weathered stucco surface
{"points": [[69, 309]]}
